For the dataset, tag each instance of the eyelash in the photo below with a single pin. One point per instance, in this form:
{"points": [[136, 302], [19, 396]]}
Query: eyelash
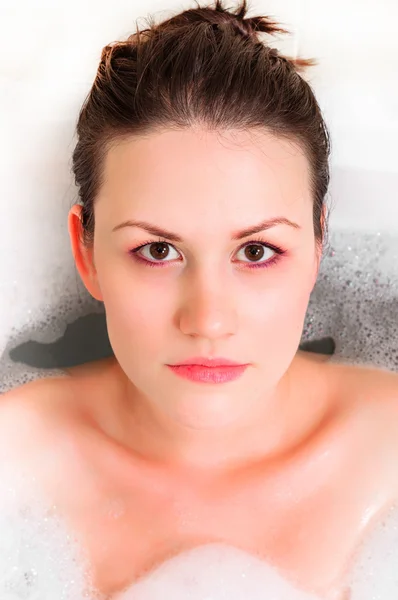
{"points": [[279, 252]]}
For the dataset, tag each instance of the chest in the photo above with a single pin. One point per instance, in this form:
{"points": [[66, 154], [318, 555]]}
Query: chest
{"points": [[306, 525]]}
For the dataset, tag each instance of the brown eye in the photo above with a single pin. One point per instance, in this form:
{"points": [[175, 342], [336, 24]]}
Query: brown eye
{"points": [[158, 251], [256, 252]]}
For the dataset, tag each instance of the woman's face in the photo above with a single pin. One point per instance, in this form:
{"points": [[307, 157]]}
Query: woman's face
{"points": [[204, 294]]}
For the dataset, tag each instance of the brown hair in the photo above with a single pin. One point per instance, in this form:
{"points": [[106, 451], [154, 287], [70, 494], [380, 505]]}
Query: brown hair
{"points": [[203, 66]]}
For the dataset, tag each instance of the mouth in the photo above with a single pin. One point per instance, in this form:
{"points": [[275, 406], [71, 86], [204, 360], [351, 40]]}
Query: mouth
{"points": [[206, 374], [209, 362]]}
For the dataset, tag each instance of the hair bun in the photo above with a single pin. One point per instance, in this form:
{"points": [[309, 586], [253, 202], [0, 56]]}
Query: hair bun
{"points": [[216, 17], [219, 17], [248, 27]]}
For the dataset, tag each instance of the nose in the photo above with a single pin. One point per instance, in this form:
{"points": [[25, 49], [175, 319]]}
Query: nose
{"points": [[208, 311]]}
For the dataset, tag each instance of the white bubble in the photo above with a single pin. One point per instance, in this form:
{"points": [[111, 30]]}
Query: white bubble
{"points": [[214, 572], [39, 557], [375, 572], [354, 301]]}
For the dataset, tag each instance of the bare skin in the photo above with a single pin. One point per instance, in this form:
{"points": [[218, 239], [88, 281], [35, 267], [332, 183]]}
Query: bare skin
{"points": [[304, 511], [291, 461]]}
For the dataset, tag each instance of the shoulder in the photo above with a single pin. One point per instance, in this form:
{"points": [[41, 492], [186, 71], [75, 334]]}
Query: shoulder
{"points": [[54, 403], [352, 386], [53, 416], [47, 440], [26, 408], [366, 387], [37, 424], [368, 403], [362, 402]]}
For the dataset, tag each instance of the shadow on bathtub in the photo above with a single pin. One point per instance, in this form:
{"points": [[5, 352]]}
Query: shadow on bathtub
{"points": [[86, 339]]}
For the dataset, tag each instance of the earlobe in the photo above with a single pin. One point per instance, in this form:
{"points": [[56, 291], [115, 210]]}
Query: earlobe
{"points": [[83, 255]]}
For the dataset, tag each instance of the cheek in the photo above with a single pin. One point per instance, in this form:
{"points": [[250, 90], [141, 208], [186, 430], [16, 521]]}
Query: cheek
{"points": [[281, 306], [134, 311]]}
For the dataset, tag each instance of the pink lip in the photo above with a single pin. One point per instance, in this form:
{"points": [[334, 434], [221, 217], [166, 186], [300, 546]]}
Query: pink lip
{"points": [[199, 373], [209, 362]]}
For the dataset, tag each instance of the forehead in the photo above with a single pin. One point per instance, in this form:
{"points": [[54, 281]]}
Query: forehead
{"points": [[207, 171]]}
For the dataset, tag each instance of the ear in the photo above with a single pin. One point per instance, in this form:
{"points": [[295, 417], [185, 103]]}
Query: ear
{"points": [[83, 254]]}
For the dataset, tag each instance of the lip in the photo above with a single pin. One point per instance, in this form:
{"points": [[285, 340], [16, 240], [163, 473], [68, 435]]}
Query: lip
{"points": [[209, 362], [215, 374]]}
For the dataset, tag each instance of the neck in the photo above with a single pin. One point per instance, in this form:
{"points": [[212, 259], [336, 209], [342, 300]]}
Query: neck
{"points": [[272, 426]]}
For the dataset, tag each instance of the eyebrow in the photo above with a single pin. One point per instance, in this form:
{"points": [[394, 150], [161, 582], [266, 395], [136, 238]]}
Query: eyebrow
{"points": [[236, 235]]}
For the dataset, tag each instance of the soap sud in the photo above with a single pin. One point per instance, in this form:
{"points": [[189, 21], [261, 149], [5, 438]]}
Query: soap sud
{"points": [[214, 572], [219, 572], [375, 572], [46, 329], [355, 299], [39, 557], [40, 560]]}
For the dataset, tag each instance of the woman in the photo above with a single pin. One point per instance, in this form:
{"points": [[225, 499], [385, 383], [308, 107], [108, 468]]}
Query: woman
{"points": [[202, 169]]}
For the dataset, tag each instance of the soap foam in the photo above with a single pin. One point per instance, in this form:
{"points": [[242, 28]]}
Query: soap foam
{"points": [[214, 572], [39, 557], [355, 299], [375, 572]]}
